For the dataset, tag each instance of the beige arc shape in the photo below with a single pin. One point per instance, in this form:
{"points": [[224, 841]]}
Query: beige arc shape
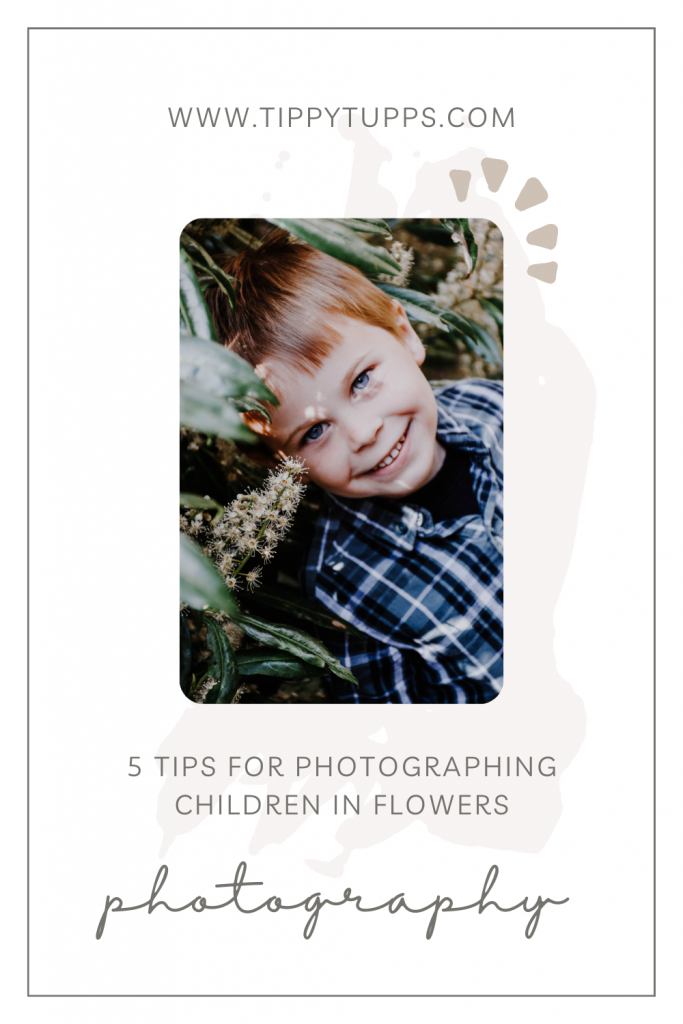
{"points": [[543, 272], [494, 172], [461, 183], [532, 194], [546, 236]]}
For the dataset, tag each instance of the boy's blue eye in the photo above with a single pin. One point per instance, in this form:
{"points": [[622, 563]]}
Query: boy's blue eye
{"points": [[315, 432], [362, 380]]}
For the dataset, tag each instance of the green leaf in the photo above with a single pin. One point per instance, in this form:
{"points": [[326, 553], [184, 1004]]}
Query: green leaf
{"points": [[194, 501], [475, 337], [269, 661], [429, 231], [335, 239], [201, 258], [249, 404], [219, 371], [461, 227], [212, 415], [194, 312], [295, 641], [495, 301], [424, 309], [185, 656], [472, 247], [283, 637], [221, 665], [417, 305], [200, 584], [371, 227], [244, 237], [422, 315], [210, 374], [300, 609], [494, 308], [195, 684]]}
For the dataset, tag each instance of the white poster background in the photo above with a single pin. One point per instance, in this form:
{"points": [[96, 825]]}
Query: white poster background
{"points": [[83, 747]]}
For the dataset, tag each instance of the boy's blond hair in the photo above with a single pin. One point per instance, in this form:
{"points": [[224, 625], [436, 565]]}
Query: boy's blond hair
{"points": [[288, 297]]}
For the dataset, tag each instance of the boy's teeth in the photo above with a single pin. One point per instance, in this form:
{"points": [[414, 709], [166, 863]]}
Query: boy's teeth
{"points": [[392, 454]]}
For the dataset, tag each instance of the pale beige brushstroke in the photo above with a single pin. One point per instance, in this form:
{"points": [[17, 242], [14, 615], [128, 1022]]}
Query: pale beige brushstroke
{"points": [[549, 432]]}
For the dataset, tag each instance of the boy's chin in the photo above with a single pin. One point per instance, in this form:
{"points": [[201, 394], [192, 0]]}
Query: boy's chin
{"points": [[398, 489]]}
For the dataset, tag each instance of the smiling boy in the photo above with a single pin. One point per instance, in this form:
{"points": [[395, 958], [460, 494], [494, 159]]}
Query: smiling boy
{"points": [[408, 547]]}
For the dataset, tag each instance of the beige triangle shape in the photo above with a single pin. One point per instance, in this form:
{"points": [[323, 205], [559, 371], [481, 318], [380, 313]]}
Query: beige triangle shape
{"points": [[461, 183], [546, 236], [494, 172], [543, 272], [532, 194]]}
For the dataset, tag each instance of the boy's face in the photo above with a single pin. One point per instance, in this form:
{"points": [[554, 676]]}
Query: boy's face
{"points": [[365, 422]]}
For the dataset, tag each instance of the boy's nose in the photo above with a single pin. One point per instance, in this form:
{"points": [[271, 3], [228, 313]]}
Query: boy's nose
{"points": [[363, 432]]}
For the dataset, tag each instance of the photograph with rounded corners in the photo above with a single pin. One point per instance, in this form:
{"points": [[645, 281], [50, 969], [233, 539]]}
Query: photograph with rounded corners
{"points": [[341, 461]]}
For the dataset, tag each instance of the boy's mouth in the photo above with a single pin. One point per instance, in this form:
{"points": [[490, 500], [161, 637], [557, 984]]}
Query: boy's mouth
{"points": [[391, 456]]}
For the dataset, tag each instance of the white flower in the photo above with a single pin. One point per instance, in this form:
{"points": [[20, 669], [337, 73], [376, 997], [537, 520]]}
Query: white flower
{"points": [[198, 695], [252, 577], [253, 523], [226, 563], [405, 258]]}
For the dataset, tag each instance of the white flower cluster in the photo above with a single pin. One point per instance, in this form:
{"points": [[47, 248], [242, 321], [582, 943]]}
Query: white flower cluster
{"points": [[254, 523], [199, 692], [453, 290], [194, 439], [192, 523], [235, 635], [405, 257]]}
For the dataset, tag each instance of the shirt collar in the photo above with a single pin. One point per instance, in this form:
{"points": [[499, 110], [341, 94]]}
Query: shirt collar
{"points": [[450, 432]]}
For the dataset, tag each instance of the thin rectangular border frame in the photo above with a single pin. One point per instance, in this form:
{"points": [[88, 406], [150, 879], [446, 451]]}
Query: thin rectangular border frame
{"points": [[308, 28]]}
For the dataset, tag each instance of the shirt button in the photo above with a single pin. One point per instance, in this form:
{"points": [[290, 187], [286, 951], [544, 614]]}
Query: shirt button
{"points": [[401, 528]]}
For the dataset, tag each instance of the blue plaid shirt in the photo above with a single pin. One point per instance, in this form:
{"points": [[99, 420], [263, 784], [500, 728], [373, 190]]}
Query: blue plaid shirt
{"points": [[428, 596]]}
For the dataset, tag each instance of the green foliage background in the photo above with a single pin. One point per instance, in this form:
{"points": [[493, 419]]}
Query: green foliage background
{"points": [[448, 276]]}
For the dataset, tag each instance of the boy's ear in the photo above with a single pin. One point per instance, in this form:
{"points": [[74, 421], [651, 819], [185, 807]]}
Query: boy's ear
{"points": [[408, 334]]}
